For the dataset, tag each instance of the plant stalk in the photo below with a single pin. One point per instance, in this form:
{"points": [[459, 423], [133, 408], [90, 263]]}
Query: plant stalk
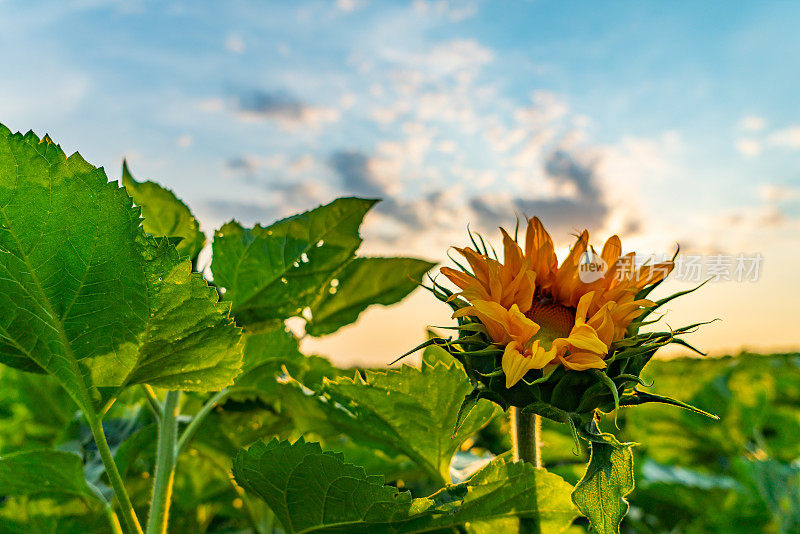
{"points": [[113, 520], [166, 458], [197, 420], [128, 514], [526, 430], [153, 401]]}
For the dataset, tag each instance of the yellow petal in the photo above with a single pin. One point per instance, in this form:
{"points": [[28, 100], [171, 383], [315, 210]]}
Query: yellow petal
{"points": [[580, 361], [611, 250], [585, 338], [515, 364], [603, 324], [512, 254], [459, 278], [536, 237], [583, 307], [521, 328]]}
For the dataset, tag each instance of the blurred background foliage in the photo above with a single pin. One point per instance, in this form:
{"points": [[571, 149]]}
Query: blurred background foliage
{"points": [[739, 474]]}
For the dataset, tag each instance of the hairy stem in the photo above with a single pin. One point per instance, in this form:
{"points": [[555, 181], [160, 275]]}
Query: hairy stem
{"points": [[128, 514], [153, 401], [113, 520], [525, 432], [197, 420], [166, 456]]}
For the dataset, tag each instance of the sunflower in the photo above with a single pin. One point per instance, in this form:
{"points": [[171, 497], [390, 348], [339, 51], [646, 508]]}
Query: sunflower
{"points": [[545, 315]]}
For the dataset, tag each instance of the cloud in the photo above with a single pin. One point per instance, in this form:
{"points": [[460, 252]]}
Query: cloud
{"points": [[779, 193], [748, 148], [456, 56], [249, 165], [560, 215], [282, 108], [563, 167], [245, 212], [752, 123], [234, 43], [786, 138], [358, 175], [453, 11], [349, 5]]}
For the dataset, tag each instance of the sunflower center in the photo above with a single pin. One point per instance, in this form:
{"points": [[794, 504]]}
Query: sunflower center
{"points": [[554, 319]]}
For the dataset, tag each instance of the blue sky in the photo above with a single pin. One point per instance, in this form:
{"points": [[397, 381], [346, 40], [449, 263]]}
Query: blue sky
{"points": [[663, 122]]}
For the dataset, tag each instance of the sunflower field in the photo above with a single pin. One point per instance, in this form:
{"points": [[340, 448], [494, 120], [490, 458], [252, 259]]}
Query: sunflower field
{"points": [[144, 391]]}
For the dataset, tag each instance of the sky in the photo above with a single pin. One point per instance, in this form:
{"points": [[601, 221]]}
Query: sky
{"points": [[664, 123]]}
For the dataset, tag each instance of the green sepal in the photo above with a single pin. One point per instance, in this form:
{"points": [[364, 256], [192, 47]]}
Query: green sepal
{"points": [[547, 410], [642, 397], [471, 401]]}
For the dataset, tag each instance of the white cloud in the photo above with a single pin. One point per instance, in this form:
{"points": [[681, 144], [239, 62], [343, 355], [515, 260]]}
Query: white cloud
{"points": [[453, 11], [778, 193], [752, 123], [455, 56], [349, 5], [284, 109], [748, 148], [185, 141], [211, 105], [234, 43], [547, 107], [786, 138]]}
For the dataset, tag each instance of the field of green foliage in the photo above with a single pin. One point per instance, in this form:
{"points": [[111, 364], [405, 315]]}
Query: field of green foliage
{"points": [[693, 475]]}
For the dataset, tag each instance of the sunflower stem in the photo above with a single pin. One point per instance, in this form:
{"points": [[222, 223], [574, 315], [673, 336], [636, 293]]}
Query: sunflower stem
{"points": [[132, 525], [525, 432], [166, 458]]}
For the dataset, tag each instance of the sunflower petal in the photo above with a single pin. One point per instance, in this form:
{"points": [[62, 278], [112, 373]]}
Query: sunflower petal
{"points": [[581, 361], [514, 364]]}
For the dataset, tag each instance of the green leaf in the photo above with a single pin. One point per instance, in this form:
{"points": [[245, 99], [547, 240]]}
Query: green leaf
{"points": [[274, 272], [43, 472], [361, 283], [311, 490], [500, 489], [600, 494], [407, 410], [265, 353], [89, 298], [165, 215]]}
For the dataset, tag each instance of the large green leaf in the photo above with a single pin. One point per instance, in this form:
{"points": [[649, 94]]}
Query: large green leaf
{"points": [[274, 272], [311, 490], [86, 296], [407, 410], [265, 353], [538, 499], [42, 472], [361, 283], [165, 215], [600, 494]]}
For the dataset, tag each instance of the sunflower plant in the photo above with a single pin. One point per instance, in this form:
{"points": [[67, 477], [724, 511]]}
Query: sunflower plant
{"points": [[141, 392], [565, 342]]}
